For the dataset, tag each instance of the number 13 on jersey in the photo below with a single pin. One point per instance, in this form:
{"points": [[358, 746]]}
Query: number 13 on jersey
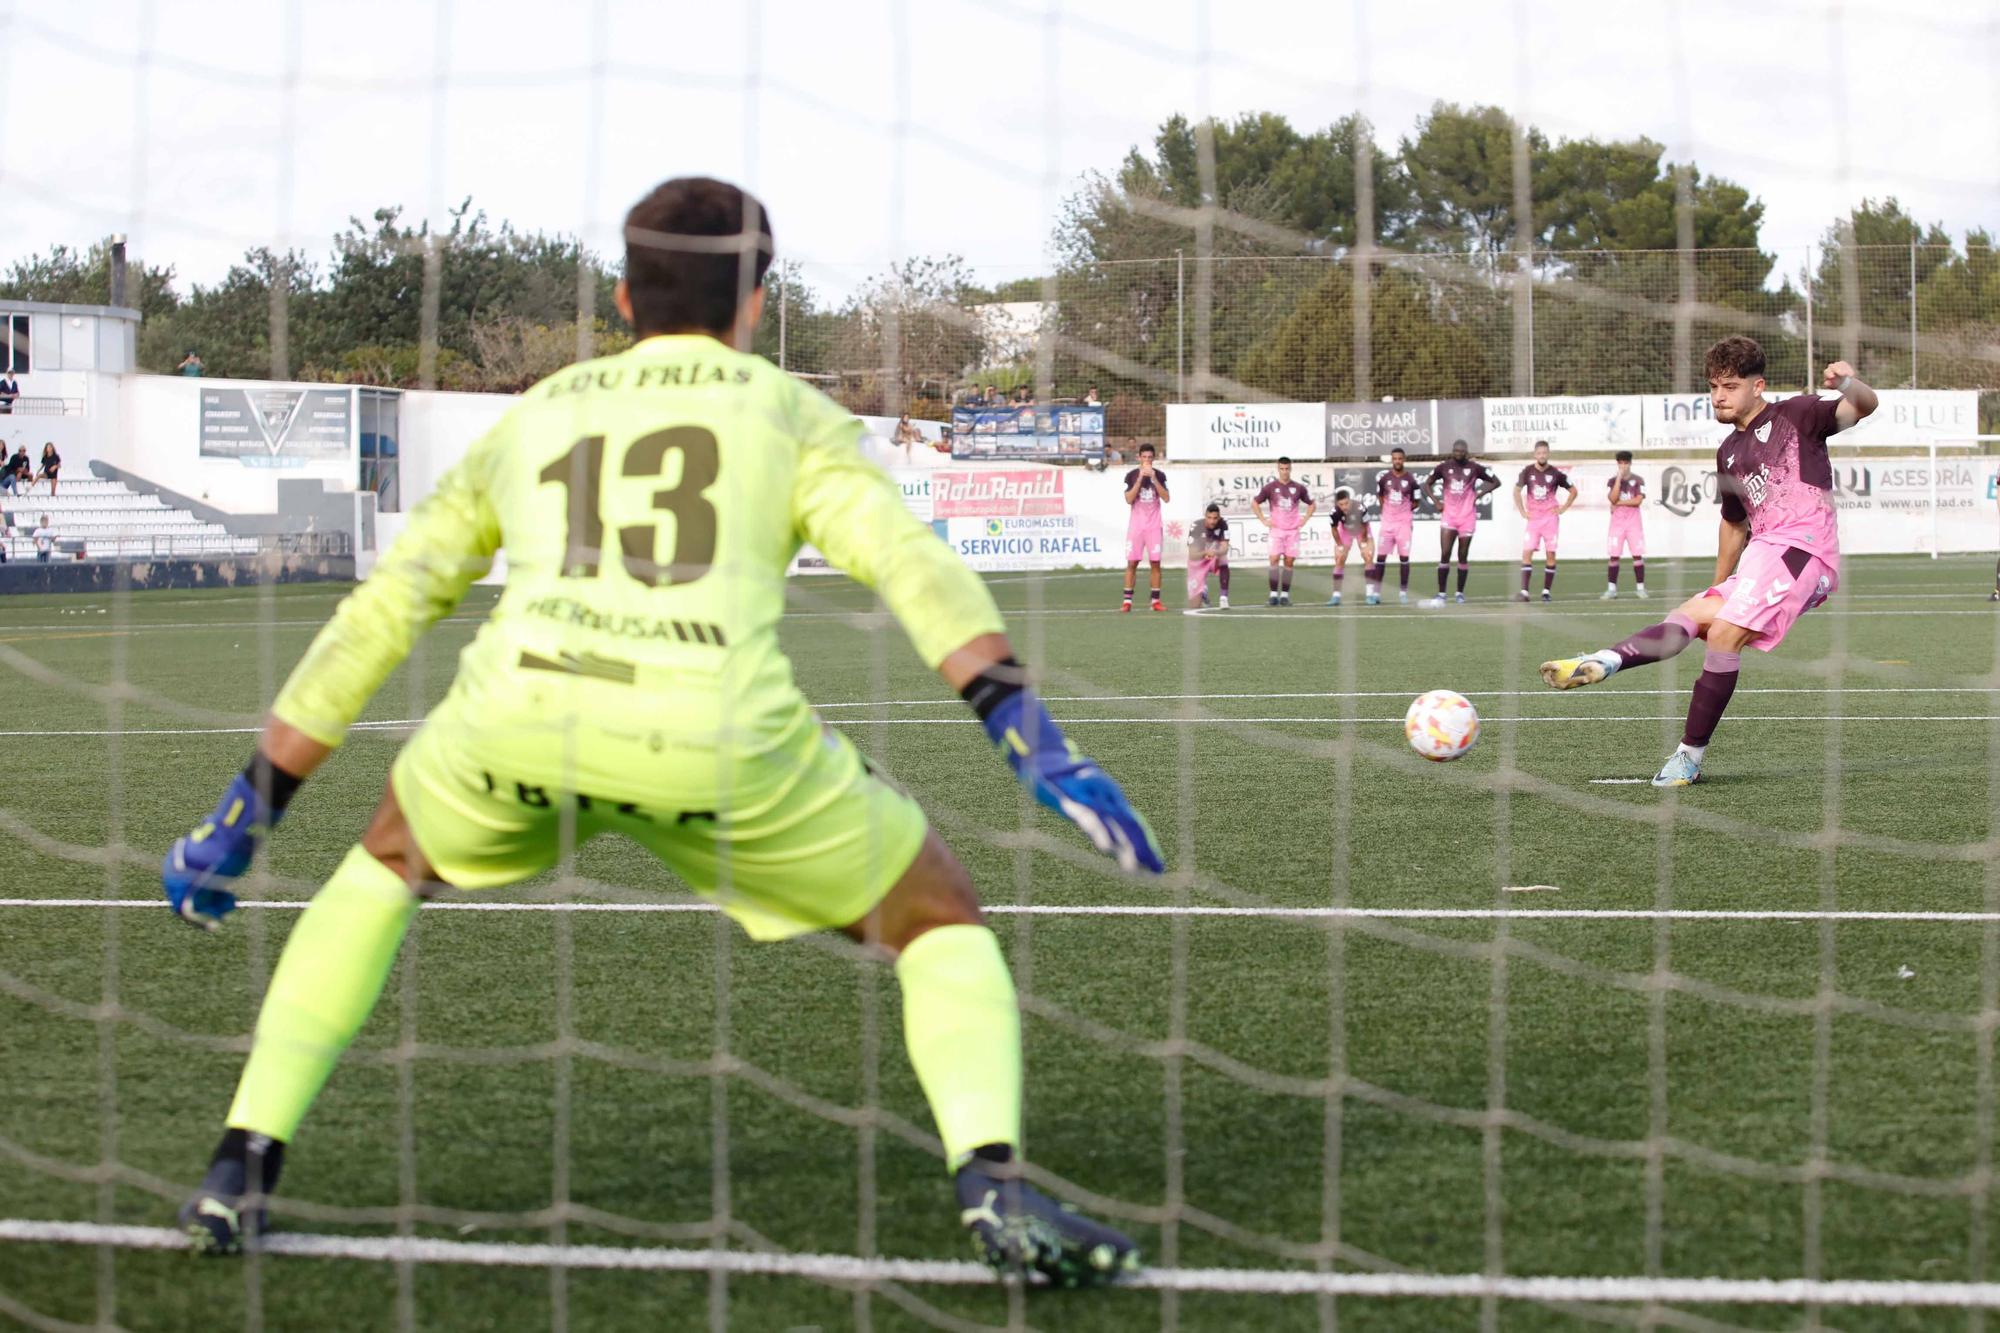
{"points": [[580, 472]]}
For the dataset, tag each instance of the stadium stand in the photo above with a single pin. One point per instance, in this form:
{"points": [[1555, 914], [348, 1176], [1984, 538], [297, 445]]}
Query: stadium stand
{"points": [[111, 521]]}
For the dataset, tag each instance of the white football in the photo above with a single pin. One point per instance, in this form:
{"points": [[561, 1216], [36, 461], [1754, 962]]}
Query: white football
{"points": [[1441, 725]]}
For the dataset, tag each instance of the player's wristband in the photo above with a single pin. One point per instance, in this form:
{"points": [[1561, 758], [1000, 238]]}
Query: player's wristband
{"points": [[271, 783], [995, 685], [1845, 381]]}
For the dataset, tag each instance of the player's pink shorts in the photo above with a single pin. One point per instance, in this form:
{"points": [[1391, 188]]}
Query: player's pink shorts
{"points": [[1285, 542], [1628, 532], [1460, 519], [1541, 533], [1197, 575], [1395, 539], [1343, 539], [1143, 544], [1772, 587]]}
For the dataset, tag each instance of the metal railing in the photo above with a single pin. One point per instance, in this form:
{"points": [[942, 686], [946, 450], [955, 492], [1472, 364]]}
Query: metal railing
{"points": [[39, 406]]}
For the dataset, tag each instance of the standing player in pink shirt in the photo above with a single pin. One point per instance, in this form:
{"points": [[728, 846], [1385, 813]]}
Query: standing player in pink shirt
{"points": [[1396, 495], [1456, 486], [1146, 492], [1628, 530], [1291, 505], [1535, 499], [1778, 551]]}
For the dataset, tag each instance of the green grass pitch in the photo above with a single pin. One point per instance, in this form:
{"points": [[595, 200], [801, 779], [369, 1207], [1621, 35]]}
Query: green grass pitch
{"points": [[1171, 1057]]}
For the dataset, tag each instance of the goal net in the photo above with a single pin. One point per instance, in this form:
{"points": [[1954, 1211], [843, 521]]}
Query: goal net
{"points": [[1519, 1040]]}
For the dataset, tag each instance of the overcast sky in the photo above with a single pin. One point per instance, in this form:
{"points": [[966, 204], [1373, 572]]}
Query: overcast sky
{"points": [[875, 128]]}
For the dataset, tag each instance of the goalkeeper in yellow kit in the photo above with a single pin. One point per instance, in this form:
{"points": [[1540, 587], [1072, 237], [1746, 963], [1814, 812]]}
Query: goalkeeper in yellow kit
{"points": [[629, 680]]}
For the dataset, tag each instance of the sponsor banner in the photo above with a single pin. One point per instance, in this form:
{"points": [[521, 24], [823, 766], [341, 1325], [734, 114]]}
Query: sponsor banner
{"points": [[1685, 422], [1040, 431], [1884, 502], [1677, 423], [997, 493], [1370, 430], [276, 426], [1199, 432], [1060, 541], [1600, 422], [1461, 419], [915, 485]]}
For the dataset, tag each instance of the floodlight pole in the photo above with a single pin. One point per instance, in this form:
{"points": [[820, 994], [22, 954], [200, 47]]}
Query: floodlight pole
{"points": [[1180, 325]]}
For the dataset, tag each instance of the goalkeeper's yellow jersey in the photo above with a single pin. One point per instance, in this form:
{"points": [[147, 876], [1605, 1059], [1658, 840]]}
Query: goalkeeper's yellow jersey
{"points": [[648, 505]]}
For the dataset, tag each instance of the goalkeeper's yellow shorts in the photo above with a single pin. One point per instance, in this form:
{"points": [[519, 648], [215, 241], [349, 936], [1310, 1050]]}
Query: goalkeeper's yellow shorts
{"points": [[804, 836]]}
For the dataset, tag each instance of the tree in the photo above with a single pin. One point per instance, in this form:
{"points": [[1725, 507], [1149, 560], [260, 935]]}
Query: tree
{"points": [[1460, 165], [905, 329], [65, 276], [1429, 341]]}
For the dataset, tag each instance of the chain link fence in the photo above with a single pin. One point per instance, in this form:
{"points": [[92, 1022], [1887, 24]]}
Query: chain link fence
{"points": [[1340, 328]]}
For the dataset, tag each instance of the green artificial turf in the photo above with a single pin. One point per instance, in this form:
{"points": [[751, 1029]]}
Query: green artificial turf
{"points": [[1201, 1060]]}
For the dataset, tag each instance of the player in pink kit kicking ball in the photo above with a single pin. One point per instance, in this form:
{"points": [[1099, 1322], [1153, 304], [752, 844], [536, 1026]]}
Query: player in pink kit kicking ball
{"points": [[1291, 504], [1628, 531], [1146, 492], [1396, 495], [1535, 499], [1456, 487], [1778, 551]]}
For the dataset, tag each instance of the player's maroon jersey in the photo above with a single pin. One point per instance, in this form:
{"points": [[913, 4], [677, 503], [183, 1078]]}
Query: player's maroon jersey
{"points": [[1206, 542], [1146, 505], [1777, 474], [1354, 518], [1397, 494], [1461, 481], [1629, 487], [1287, 501], [1539, 486]]}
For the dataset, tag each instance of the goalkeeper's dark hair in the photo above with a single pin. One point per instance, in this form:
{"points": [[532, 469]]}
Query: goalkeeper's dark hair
{"points": [[1735, 355], [695, 248]]}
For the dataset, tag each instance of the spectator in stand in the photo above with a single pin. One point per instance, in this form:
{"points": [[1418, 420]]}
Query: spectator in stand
{"points": [[907, 435], [190, 364], [19, 472], [45, 541], [1090, 397], [9, 391], [51, 466], [1023, 398]]}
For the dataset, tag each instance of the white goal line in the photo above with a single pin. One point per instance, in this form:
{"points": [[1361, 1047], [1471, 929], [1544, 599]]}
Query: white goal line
{"points": [[1157, 720], [845, 1268], [1168, 910]]}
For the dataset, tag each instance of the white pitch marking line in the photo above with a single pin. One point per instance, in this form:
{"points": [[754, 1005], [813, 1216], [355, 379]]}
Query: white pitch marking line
{"points": [[1166, 910], [1412, 693], [1306, 720], [1617, 782], [855, 1268]]}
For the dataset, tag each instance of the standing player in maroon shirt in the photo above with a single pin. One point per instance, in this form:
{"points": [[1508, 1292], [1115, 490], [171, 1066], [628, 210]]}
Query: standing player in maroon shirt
{"points": [[1396, 496], [1778, 551], [1535, 500], [1456, 486], [1628, 531], [1291, 504]]}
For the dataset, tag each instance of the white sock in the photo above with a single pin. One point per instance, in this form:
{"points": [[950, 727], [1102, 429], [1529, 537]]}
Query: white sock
{"points": [[1608, 659], [1642, 587], [1694, 752], [1611, 587]]}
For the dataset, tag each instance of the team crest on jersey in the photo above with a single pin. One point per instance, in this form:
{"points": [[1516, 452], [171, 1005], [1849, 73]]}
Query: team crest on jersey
{"points": [[1763, 433]]}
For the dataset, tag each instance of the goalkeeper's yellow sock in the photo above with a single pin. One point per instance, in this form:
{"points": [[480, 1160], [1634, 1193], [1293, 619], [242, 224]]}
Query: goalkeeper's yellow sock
{"points": [[963, 1032], [327, 980]]}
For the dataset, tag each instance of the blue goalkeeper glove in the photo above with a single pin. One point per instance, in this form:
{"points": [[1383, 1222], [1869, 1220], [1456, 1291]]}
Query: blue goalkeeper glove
{"points": [[1062, 779], [217, 853]]}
